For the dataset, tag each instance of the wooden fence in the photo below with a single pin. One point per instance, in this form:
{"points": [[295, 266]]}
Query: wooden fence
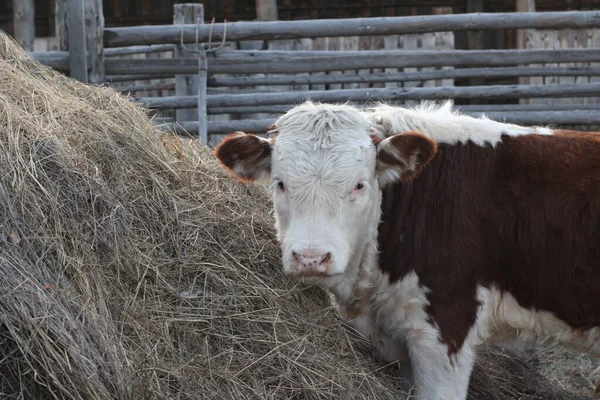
{"points": [[231, 82]]}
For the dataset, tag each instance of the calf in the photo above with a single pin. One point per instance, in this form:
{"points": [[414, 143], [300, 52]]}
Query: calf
{"points": [[437, 233]]}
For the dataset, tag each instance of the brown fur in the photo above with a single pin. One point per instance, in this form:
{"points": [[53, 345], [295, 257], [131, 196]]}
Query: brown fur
{"points": [[249, 152], [408, 145], [523, 216]]}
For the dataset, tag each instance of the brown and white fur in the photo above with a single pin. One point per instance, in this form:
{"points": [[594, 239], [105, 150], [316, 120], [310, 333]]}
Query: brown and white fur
{"points": [[437, 233]]}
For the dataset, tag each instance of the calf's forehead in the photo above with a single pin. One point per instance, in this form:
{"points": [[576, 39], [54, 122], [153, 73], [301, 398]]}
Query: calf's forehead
{"points": [[295, 158], [321, 138]]}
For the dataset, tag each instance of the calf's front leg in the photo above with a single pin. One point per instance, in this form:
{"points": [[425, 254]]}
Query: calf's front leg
{"points": [[439, 373]]}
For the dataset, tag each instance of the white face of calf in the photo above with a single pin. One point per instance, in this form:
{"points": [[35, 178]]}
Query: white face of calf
{"points": [[325, 192], [326, 171]]}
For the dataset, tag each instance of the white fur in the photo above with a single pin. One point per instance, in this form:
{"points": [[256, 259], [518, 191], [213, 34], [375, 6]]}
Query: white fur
{"points": [[504, 320], [399, 311], [445, 124], [320, 155]]}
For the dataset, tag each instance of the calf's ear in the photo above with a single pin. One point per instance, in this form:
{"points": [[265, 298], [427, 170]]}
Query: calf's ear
{"points": [[246, 156], [401, 157]]}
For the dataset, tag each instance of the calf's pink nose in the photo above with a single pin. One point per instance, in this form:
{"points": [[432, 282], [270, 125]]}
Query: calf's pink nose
{"points": [[311, 262]]}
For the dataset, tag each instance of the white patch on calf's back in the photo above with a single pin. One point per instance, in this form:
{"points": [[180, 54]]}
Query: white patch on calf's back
{"points": [[444, 124], [544, 131], [504, 320]]}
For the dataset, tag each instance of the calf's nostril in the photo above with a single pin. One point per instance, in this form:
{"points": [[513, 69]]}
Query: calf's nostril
{"points": [[326, 259]]}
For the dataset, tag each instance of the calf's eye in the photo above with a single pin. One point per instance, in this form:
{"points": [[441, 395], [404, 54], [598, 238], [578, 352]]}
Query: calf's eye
{"points": [[359, 186], [281, 186]]}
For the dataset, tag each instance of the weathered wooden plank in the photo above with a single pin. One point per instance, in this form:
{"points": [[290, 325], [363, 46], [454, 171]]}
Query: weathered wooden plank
{"points": [[272, 109], [60, 24], [144, 87], [187, 85], [452, 92], [499, 72], [366, 59], [220, 127], [201, 101], [168, 68], [280, 109], [58, 60], [121, 78], [528, 107], [258, 56], [124, 51], [76, 40], [524, 118], [160, 34], [24, 23], [94, 32]]}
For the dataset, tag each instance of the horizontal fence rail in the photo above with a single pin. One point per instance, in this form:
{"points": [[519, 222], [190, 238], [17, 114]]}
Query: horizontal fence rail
{"points": [[145, 87], [516, 117], [281, 109], [163, 34], [124, 51], [140, 77], [366, 59], [433, 93], [500, 72], [362, 60], [58, 60]]}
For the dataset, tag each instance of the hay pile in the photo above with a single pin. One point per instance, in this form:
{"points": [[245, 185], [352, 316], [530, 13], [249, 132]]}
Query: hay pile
{"points": [[131, 267]]}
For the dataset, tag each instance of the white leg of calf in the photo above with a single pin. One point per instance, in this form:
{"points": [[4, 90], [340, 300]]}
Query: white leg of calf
{"points": [[438, 376]]}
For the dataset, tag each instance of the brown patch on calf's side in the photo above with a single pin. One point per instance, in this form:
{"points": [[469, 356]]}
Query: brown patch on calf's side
{"points": [[523, 216], [577, 134], [245, 156], [550, 188]]}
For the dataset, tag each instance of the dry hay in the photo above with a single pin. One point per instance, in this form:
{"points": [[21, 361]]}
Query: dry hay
{"points": [[131, 267]]}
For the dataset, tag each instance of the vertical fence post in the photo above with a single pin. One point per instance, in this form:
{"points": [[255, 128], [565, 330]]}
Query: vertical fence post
{"points": [[187, 85], [76, 40], [202, 93], [60, 25], [79, 26], [24, 23], [94, 22]]}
